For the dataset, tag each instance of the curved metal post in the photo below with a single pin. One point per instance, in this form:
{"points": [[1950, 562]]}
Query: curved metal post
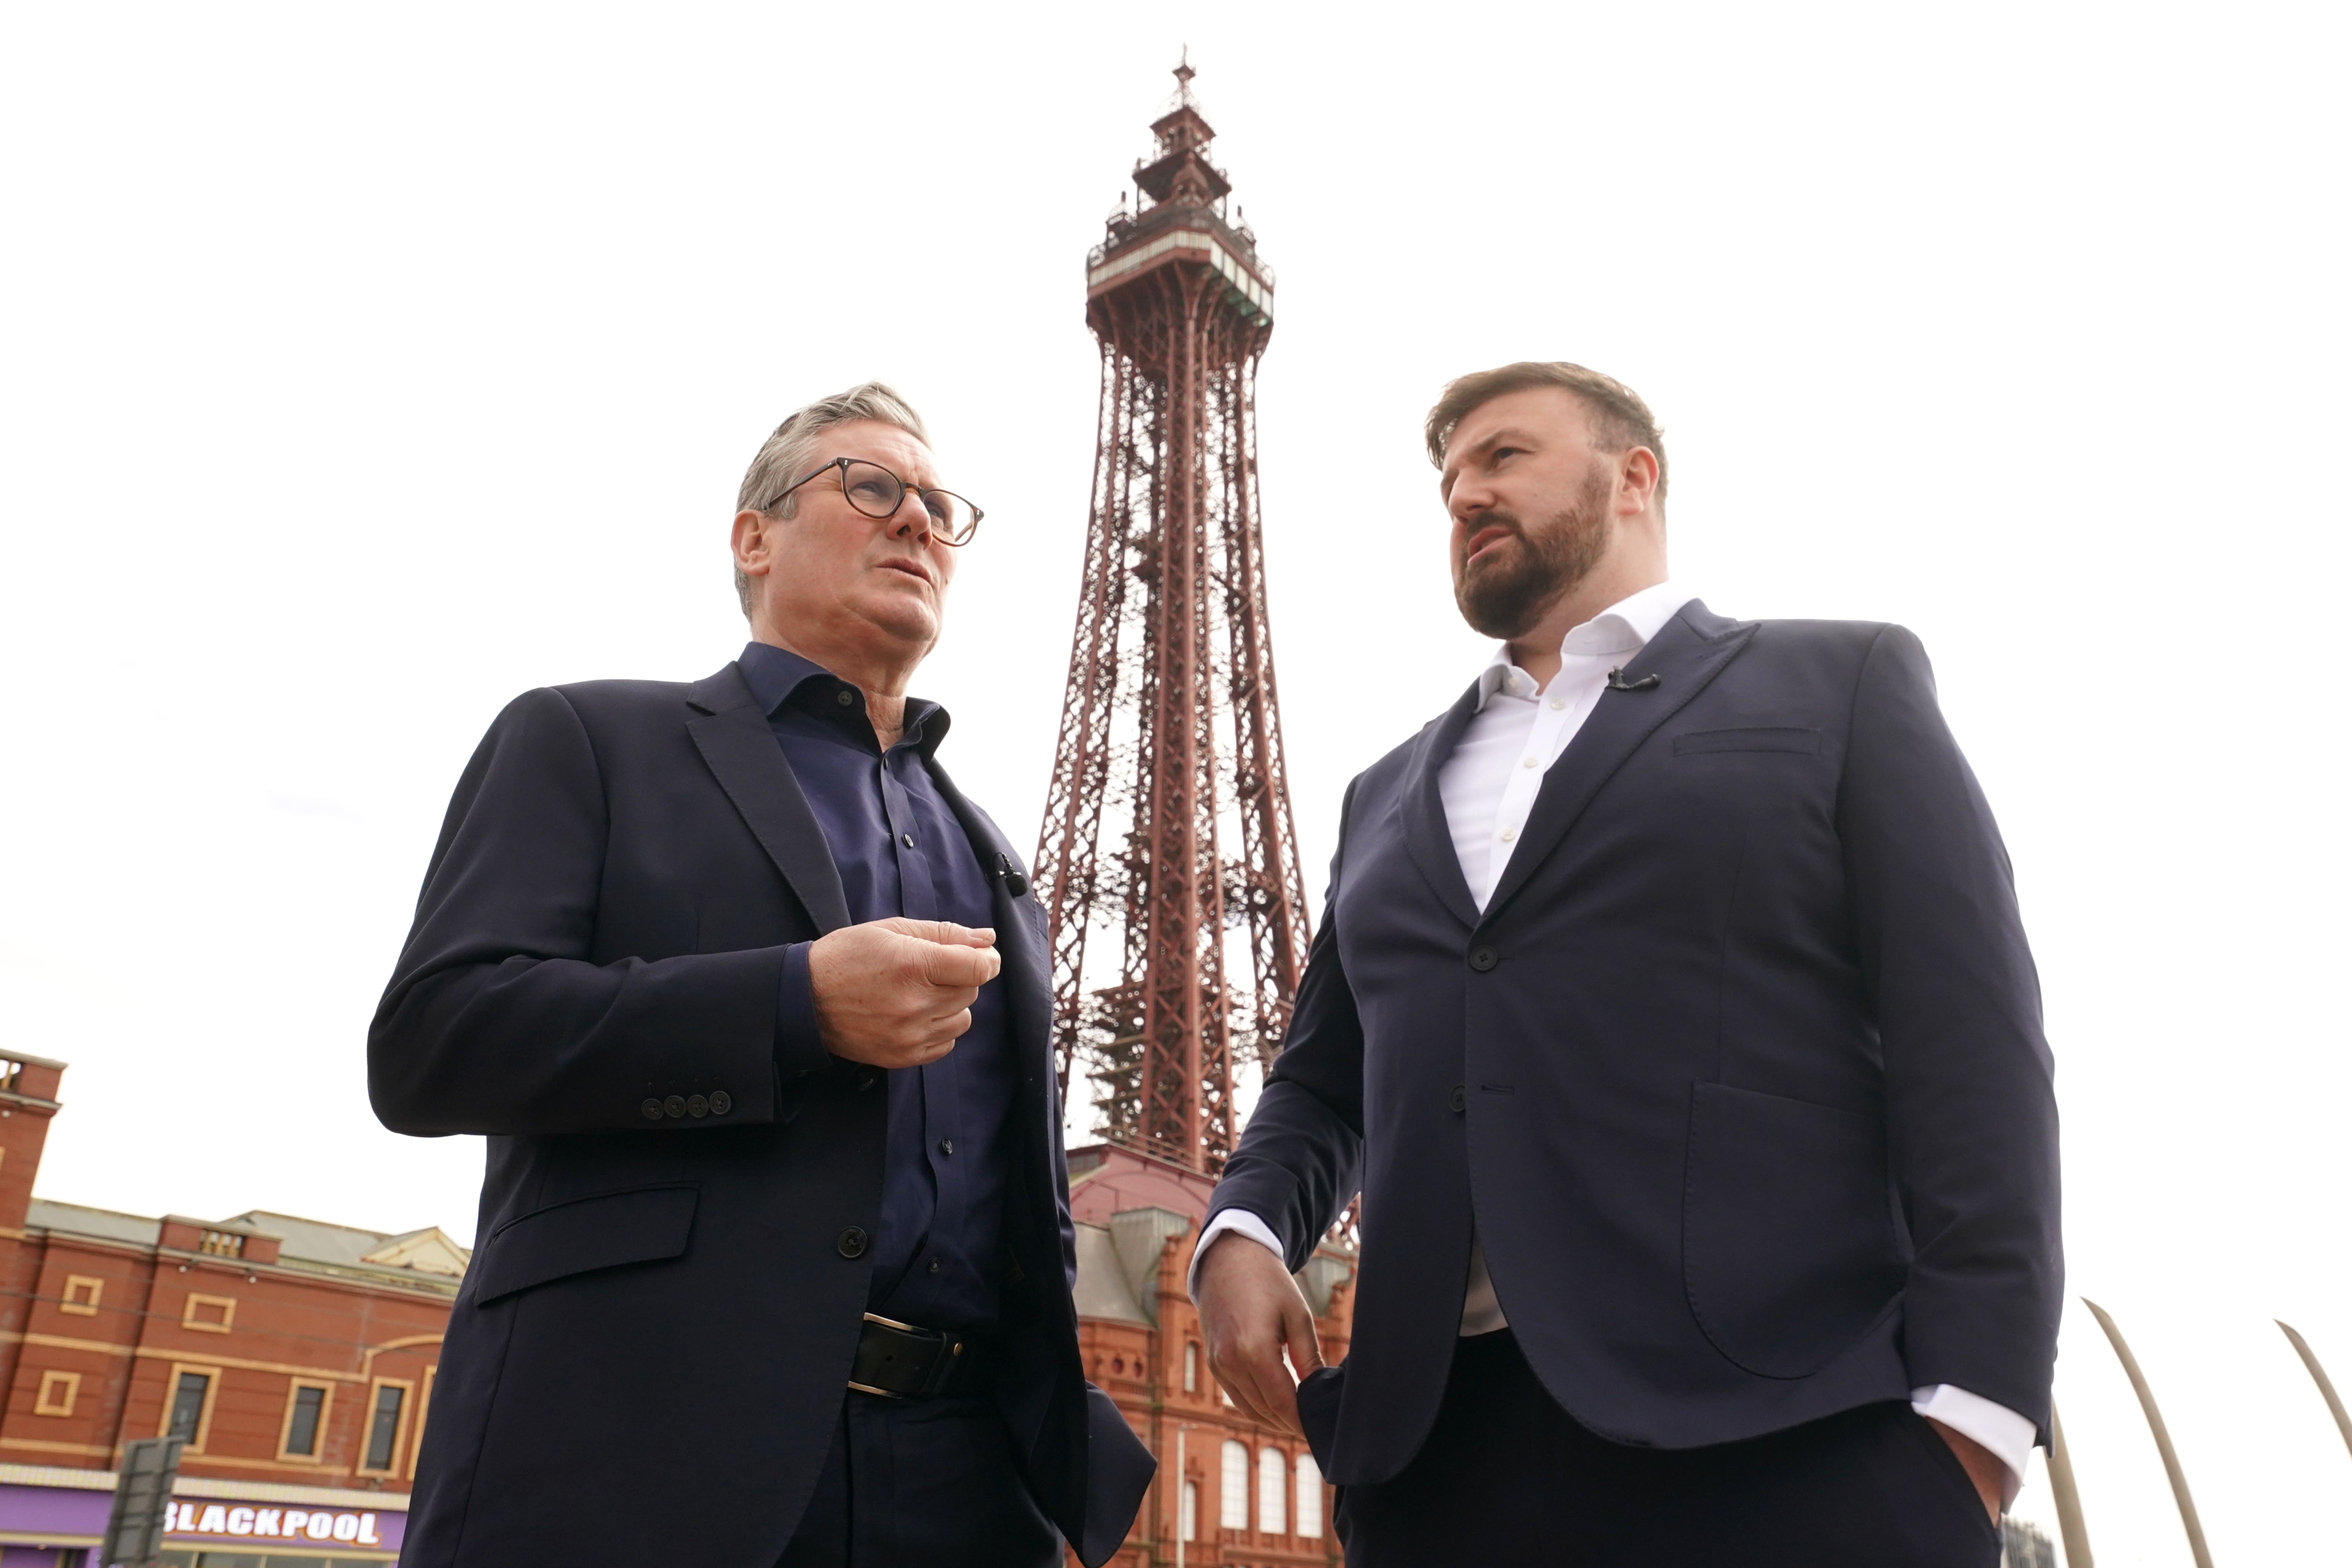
{"points": [[2319, 1375], [2071, 1532], [2163, 1438]]}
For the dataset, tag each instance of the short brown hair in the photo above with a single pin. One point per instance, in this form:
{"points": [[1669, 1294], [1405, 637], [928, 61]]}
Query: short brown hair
{"points": [[1620, 420]]}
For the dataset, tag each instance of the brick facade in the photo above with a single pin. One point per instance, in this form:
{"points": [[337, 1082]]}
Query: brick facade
{"points": [[298, 1355], [1137, 1218]]}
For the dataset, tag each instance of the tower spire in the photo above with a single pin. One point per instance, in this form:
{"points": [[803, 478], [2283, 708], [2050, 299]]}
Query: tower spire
{"points": [[1168, 838]]}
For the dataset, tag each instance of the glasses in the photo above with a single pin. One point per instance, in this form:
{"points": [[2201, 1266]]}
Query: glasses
{"points": [[877, 492]]}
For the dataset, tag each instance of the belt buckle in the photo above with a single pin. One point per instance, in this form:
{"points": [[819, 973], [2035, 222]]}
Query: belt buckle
{"points": [[935, 1373]]}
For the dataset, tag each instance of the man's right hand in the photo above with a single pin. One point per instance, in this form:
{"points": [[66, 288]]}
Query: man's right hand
{"points": [[898, 992], [1250, 1311]]}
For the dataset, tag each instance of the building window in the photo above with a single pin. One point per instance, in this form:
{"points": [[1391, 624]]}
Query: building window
{"points": [[306, 1418], [1188, 1512], [1192, 1368], [1272, 1482], [384, 1426], [1233, 1490], [209, 1314], [1310, 1497], [423, 1407], [57, 1391], [82, 1293], [192, 1394]]}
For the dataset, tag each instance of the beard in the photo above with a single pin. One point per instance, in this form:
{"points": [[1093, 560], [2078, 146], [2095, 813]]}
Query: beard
{"points": [[1506, 592]]}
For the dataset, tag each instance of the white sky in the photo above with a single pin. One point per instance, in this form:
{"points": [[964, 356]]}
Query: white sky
{"points": [[364, 367]]}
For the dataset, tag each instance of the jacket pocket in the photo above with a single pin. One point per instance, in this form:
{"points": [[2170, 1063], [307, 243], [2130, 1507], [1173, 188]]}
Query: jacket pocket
{"points": [[644, 1225], [1789, 1248], [1808, 742]]}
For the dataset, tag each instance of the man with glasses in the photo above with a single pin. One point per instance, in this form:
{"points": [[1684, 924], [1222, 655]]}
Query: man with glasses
{"points": [[776, 1252]]}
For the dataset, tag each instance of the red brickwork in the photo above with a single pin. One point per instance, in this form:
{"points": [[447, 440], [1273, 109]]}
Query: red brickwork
{"points": [[100, 1313], [1142, 1366]]}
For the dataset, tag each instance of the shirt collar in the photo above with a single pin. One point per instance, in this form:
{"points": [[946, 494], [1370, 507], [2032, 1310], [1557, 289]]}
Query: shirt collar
{"points": [[778, 676], [1624, 629]]}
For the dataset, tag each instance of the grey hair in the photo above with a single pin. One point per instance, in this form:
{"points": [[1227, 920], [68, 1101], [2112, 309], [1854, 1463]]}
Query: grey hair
{"points": [[783, 456]]}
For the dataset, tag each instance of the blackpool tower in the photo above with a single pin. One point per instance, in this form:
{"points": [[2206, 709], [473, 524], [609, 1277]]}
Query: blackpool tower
{"points": [[1168, 862]]}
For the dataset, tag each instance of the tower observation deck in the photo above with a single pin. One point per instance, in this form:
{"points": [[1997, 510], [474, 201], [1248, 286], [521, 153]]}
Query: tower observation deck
{"points": [[1168, 862]]}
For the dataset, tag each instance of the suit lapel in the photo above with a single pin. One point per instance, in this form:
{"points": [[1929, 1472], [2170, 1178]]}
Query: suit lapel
{"points": [[734, 739], [1427, 838], [1689, 652]]}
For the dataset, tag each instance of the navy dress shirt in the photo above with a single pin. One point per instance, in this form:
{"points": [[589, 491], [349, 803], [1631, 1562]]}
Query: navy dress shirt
{"points": [[900, 851]]}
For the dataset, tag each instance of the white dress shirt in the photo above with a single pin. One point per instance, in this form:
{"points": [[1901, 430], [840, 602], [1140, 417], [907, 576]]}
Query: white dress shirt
{"points": [[1488, 786]]}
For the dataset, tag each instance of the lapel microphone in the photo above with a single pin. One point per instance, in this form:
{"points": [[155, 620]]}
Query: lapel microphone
{"points": [[1617, 681], [1016, 884]]}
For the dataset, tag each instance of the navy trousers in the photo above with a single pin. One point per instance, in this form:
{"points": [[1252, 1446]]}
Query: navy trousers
{"points": [[1505, 1476], [921, 1483]]}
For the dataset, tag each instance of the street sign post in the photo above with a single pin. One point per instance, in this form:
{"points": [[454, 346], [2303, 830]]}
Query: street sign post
{"points": [[142, 1497]]}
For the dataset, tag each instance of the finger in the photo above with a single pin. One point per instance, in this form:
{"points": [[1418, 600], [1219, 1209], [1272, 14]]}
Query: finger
{"points": [[1298, 1332], [1241, 1371], [947, 933], [964, 968]]}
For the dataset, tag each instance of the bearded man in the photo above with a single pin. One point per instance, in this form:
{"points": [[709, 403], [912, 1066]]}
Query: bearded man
{"points": [[1673, 1013]]}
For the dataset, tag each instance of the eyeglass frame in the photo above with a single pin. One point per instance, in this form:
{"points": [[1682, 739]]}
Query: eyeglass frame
{"points": [[904, 488]]}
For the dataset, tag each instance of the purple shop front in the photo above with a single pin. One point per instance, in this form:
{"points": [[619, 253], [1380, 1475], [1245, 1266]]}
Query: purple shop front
{"points": [[54, 1518]]}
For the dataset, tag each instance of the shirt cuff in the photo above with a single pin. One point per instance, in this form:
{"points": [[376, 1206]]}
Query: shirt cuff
{"points": [[799, 1050], [2006, 1434], [1242, 1223]]}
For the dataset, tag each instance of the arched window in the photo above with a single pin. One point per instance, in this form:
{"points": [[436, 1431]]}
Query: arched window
{"points": [[1188, 1512], [1310, 1506], [1192, 1368], [1272, 1481], [1233, 1489]]}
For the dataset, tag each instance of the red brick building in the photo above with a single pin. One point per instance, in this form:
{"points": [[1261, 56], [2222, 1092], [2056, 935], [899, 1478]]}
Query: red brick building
{"points": [[1229, 1491], [295, 1357]]}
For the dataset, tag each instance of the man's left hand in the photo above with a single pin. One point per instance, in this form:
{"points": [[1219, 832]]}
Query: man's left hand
{"points": [[1990, 1474]]}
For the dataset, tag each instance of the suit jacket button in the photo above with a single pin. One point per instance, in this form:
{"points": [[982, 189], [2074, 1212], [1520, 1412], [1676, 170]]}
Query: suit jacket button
{"points": [[651, 1109], [852, 1243], [674, 1105], [1483, 959], [721, 1102], [868, 1079], [1460, 1099], [696, 1106]]}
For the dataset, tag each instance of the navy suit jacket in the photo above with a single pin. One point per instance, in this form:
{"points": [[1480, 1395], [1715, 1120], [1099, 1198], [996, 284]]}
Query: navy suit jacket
{"points": [[649, 1352], [1740, 1071]]}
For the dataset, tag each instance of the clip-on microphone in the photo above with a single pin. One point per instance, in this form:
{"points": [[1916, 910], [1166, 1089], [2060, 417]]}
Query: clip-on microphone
{"points": [[1617, 681]]}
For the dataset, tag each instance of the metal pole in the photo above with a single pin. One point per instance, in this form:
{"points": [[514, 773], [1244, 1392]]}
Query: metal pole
{"points": [[1180, 1430], [2163, 1438], [2319, 1376], [2072, 1532]]}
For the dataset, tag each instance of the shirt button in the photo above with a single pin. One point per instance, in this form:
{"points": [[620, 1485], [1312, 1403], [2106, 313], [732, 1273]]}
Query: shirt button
{"points": [[1559, 703], [843, 698], [1508, 835], [946, 1145], [1527, 761], [907, 839], [935, 1266]]}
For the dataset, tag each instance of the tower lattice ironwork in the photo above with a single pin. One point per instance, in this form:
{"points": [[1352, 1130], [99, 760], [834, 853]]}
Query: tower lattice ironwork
{"points": [[1167, 841]]}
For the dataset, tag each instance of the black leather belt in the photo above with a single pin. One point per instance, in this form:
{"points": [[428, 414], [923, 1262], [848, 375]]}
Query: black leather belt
{"points": [[901, 1361]]}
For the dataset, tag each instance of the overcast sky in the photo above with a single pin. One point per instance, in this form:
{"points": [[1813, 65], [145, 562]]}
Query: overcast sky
{"points": [[364, 367]]}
